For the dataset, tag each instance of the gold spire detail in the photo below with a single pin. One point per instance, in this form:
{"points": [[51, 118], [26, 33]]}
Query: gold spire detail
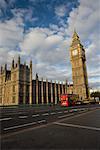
{"points": [[75, 35]]}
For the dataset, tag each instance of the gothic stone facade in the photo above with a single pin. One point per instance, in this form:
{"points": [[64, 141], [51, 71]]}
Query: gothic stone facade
{"points": [[46, 92], [17, 87], [79, 71], [16, 84]]}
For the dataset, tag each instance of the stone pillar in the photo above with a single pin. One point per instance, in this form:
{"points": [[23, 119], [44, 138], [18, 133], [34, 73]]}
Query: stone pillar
{"points": [[51, 93], [24, 100], [36, 90], [55, 92], [66, 87], [42, 98], [30, 91], [62, 88], [69, 89], [59, 90], [47, 91]]}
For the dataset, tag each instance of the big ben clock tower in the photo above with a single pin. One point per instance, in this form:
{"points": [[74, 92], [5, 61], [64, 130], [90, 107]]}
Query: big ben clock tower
{"points": [[79, 72]]}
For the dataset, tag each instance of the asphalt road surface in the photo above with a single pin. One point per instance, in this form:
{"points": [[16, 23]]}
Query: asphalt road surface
{"points": [[77, 128]]}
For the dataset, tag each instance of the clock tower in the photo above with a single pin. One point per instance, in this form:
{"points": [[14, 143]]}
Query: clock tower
{"points": [[79, 72]]}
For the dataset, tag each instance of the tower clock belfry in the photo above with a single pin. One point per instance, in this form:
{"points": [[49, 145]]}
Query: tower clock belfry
{"points": [[79, 72]]}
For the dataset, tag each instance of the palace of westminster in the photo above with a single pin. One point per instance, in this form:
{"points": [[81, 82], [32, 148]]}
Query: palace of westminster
{"points": [[18, 87]]}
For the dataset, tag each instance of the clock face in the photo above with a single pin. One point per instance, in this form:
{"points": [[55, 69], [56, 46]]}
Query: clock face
{"points": [[74, 52]]}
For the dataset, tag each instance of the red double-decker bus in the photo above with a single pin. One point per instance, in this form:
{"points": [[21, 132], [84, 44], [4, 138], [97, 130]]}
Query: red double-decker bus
{"points": [[67, 100]]}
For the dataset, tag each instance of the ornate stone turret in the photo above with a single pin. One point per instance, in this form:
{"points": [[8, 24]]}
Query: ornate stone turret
{"points": [[18, 60], [25, 63], [13, 63], [1, 69], [37, 76], [31, 65], [5, 67]]}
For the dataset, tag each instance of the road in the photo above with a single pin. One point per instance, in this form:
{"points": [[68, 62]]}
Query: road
{"points": [[56, 129], [13, 119]]}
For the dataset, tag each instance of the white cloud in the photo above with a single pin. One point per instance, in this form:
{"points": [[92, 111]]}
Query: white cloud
{"points": [[11, 33], [60, 10], [44, 45], [47, 48], [32, 41], [26, 13]]}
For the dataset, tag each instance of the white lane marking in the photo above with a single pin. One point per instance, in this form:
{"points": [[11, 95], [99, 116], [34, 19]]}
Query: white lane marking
{"points": [[59, 112], [35, 115], [75, 116], [52, 113], [22, 117], [4, 119], [23, 125], [46, 114], [65, 111], [77, 126], [65, 115], [40, 121]]}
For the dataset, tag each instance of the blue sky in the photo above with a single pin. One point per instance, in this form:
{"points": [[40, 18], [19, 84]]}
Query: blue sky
{"points": [[42, 30], [42, 10]]}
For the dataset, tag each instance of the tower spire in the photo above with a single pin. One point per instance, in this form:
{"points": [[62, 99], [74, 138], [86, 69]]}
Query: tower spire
{"points": [[75, 35], [74, 30], [75, 38]]}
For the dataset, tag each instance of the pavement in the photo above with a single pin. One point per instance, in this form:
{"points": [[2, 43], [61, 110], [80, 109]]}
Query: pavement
{"points": [[76, 128]]}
